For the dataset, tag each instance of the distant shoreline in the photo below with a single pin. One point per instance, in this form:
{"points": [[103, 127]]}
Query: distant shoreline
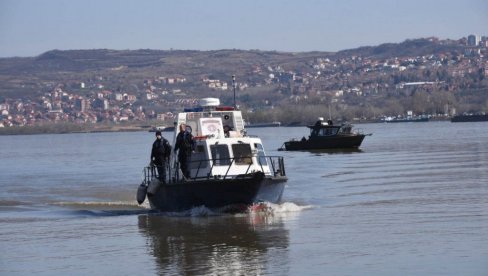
{"points": [[75, 128], [71, 128]]}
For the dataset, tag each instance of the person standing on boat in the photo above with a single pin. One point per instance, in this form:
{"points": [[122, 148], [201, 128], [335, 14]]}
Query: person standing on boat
{"points": [[161, 150], [227, 130], [184, 145], [319, 122], [317, 126]]}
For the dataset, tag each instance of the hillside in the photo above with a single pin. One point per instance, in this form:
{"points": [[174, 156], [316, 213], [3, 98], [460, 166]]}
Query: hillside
{"points": [[410, 48], [183, 61], [427, 75]]}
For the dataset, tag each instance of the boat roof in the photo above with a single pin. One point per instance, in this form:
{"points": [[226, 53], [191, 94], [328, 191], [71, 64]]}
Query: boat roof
{"points": [[324, 126], [212, 119]]}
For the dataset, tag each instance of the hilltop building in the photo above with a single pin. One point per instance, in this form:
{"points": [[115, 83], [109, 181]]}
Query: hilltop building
{"points": [[474, 40]]}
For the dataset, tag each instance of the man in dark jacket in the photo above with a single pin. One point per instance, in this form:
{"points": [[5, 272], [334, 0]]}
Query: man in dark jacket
{"points": [[161, 150], [184, 145]]}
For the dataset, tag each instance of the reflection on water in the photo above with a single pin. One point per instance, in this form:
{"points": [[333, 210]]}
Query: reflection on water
{"points": [[328, 151], [333, 151], [219, 245]]}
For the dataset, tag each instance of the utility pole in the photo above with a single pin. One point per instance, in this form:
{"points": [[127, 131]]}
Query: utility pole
{"points": [[234, 88]]}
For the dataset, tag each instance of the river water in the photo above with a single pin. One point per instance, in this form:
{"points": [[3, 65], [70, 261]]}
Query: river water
{"points": [[413, 201]]}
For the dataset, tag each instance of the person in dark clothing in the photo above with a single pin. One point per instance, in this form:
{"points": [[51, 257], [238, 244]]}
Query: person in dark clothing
{"points": [[319, 122], [226, 131], [184, 145], [317, 126], [161, 150]]}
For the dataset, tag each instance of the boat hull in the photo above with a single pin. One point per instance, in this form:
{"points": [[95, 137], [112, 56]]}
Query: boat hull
{"points": [[408, 120], [264, 125], [218, 193], [329, 142], [469, 118]]}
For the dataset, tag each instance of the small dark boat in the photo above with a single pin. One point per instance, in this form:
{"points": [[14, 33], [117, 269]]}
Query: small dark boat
{"points": [[273, 124], [327, 136], [162, 128], [169, 129], [470, 118], [227, 167]]}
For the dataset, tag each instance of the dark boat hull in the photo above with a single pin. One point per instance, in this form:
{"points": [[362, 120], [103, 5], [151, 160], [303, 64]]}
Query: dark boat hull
{"points": [[328, 142], [217, 193], [263, 125], [469, 118]]}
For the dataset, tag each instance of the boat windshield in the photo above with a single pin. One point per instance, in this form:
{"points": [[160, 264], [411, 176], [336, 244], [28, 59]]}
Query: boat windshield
{"points": [[346, 129], [261, 154], [328, 131], [199, 158], [242, 154], [220, 155]]}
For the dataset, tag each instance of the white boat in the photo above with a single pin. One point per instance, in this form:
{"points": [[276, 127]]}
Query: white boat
{"points": [[226, 168]]}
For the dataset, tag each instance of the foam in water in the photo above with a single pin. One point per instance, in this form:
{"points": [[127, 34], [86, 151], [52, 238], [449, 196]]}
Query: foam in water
{"points": [[287, 207], [260, 208], [128, 207], [96, 204]]}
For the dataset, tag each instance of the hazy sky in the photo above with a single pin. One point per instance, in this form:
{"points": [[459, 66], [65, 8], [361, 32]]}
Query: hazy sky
{"points": [[31, 27]]}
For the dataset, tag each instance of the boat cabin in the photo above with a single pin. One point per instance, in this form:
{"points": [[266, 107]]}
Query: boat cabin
{"points": [[222, 148], [321, 129]]}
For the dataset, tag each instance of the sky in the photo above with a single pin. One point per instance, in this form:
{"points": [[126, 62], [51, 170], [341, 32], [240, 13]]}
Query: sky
{"points": [[32, 27]]}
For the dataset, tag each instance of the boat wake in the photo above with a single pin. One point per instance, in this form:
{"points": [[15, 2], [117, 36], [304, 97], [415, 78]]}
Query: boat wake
{"points": [[121, 208], [240, 209], [11, 203], [101, 204], [287, 207], [96, 208]]}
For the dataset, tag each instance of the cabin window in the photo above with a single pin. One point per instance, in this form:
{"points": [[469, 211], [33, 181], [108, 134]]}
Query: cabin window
{"points": [[242, 154], [328, 131], [261, 155], [220, 155], [346, 129], [199, 158]]}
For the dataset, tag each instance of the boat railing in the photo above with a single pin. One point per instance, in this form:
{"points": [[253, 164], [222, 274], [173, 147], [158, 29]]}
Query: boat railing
{"points": [[266, 164], [358, 131], [153, 171], [349, 129], [273, 164]]}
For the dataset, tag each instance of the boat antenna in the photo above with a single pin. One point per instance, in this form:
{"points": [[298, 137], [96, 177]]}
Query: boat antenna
{"points": [[234, 88]]}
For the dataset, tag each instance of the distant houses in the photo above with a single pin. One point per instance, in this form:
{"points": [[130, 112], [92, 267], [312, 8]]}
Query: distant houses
{"points": [[326, 79]]}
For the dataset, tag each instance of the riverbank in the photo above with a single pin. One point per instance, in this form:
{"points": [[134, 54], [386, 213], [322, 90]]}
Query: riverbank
{"points": [[73, 128], [62, 128]]}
